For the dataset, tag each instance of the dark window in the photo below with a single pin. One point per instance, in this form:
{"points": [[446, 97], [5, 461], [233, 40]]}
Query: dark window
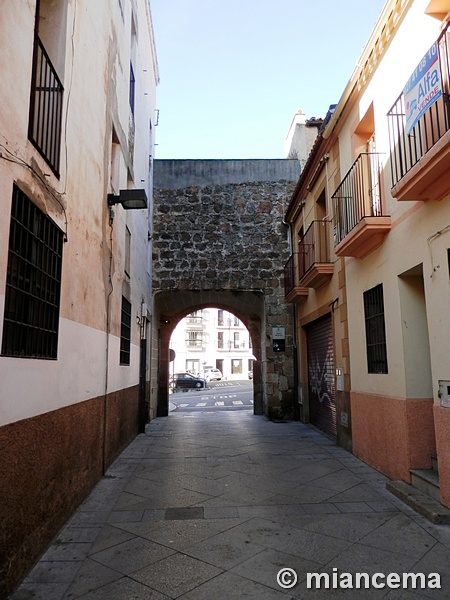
{"points": [[236, 339], [33, 282], [125, 332], [375, 330], [220, 343], [46, 95], [236, 366], [194, 339], [132, 88]]}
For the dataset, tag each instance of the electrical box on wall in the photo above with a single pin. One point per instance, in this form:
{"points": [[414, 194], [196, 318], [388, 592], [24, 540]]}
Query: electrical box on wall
{"points": [[444, 392], [278, 339], [340, 384]]}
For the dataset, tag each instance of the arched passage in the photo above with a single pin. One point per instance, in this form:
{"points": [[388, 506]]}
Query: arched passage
{"points": [[172, 306], [219, 240]]}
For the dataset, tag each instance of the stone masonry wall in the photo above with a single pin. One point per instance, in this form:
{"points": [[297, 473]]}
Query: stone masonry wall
{"points": [[231, 237]]}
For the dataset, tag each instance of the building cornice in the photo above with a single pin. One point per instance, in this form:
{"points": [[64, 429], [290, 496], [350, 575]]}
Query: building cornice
{"points": [[382, 34]]}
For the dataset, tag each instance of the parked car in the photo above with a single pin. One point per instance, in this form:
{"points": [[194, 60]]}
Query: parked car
{"points": [[186, 380], [213, 374]]}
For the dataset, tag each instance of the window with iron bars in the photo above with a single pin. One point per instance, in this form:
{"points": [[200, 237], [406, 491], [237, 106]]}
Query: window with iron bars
{"points": [[375, 330], [194, 339], [33, 282], [125, 332], [220, 340], [46, 94]]}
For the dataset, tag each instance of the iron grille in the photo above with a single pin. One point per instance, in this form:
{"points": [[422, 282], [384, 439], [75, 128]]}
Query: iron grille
{"points": [[125, 332], [289, 273], [358, 195], [375, 330], [44, 128], [33, 282], [313, 247], [220, 340], [194, 339], [407, 148], [194, 320]]}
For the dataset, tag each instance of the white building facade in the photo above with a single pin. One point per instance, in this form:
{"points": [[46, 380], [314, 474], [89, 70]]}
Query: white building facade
{"points": [[212, 338]]}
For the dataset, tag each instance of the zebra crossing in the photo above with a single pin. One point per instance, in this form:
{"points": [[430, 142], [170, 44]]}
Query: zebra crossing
{"points": [[221, 401]]}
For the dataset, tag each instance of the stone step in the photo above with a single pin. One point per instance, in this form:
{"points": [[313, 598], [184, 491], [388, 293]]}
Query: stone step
{"points": [[425, 505], [427, 481]]}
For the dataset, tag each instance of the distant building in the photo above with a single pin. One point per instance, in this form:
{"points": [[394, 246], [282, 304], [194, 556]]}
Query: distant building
{"points": [[212, 338], [301, 136]]}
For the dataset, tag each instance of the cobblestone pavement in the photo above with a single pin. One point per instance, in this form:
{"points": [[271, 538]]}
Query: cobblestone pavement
{"points": [[212, 505]]}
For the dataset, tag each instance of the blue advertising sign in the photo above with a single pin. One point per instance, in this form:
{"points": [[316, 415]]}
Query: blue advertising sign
{"points": [[423, 87]]}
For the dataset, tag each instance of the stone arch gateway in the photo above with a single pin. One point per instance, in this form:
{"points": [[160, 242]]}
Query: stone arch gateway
{"points": [[219, 241]]}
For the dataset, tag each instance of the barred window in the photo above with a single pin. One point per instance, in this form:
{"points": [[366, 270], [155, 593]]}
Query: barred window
{"points": [[220, 341], [194, 339], [236, 339], [375, 330], [33, 282], [125, 332]]}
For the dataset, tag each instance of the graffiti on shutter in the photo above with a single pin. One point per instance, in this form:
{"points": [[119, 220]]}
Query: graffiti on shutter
{"points": [[321, 375]]}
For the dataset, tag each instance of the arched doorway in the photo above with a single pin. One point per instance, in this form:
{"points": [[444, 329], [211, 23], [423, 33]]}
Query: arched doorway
{"points": [[171, 306]]}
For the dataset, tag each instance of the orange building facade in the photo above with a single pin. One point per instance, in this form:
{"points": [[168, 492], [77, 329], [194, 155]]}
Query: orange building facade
{"points": [[377, 179]]}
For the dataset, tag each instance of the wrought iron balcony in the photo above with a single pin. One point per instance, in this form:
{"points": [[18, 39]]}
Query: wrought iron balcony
{"points": [[420, 155], [315, 268], [44, 127], [194, 322], [195, 344], [359, 223], [311, 266], [293, 292]]}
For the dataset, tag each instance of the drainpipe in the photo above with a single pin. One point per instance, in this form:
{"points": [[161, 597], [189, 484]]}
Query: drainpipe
{"points": [[294, 332], [108, 328]]}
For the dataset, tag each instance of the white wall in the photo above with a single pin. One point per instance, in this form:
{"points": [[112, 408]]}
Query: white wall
{"points": [[96, 82]]}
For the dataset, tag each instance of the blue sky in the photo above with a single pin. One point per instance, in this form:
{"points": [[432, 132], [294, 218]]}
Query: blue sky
{"points": [[234, 72]]}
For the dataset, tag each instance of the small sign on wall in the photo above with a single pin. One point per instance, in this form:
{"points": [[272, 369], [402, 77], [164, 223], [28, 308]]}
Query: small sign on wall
{"points": [[340, 382], [278, 339], [444, 393]]}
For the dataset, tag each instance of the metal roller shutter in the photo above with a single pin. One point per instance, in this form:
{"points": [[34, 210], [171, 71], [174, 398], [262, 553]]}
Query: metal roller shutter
{"points": [[321, 375]]}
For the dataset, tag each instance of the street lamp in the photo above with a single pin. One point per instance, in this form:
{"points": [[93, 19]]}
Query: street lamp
{"points": [[129, 199]]}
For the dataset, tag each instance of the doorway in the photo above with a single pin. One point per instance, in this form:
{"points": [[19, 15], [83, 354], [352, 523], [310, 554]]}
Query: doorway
{"points": [[321, 387]]}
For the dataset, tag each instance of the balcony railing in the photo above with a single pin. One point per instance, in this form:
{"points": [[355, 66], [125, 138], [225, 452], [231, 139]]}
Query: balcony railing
{"points": [[358, 196], [231, 345], [289, 274], [44, 128], [359, 223], [194, 320], [195, 344], [314, 247], [292, 291], [311, 266], [408, 147]]}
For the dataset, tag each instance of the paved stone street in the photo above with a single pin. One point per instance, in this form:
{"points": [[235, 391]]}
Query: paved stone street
{"points": [[208, 505]]}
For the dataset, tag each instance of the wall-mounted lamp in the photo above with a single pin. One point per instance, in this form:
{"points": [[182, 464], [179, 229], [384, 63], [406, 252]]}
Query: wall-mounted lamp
{"points": [[129, 199]]}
